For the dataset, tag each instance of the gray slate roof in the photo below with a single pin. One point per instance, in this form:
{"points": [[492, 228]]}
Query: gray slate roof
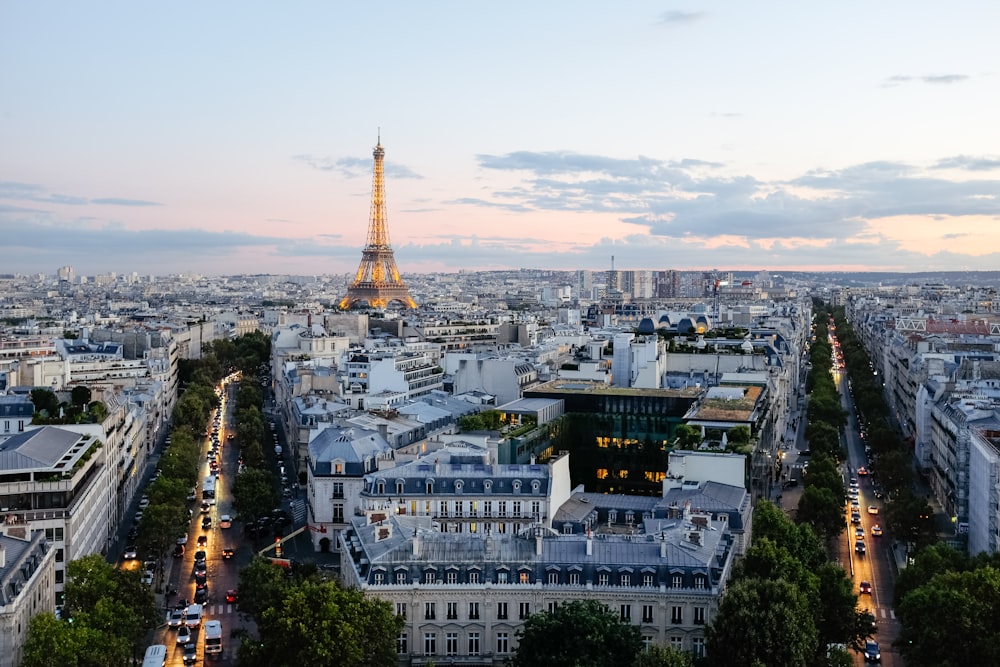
{"points": [[38, 448]]}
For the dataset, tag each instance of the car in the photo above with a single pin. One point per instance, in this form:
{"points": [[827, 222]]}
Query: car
{"points": [[862, 471], [859, 533], [138, 516], [144, 503], [872, 653], [866, 587], [192, 495], [200, 555], [228, 554], [147, 578], [182, 540], [876, 530], [854, 481], [232, 595], [200, 568], [201, 595], [130, 553], [200, 578], [873, 509], [206, 522], [859, 548], [206, 507], [179, 551], [202, 540], [855, 503], [225, 521], [855, 518], [183, 634], [176, 618], [190, 653], [853, 493]]}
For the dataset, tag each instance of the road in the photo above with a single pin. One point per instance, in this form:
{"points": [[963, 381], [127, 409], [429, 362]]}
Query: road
{"points": [[223, 575], [876, 565]]}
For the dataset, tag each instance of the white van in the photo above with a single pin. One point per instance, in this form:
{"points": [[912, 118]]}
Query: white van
{"points": [[213, 639], [156, 656], [193, 617]]}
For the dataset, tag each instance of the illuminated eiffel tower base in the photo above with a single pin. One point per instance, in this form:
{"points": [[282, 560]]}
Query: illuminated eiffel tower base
{"points": [[377, 281]]}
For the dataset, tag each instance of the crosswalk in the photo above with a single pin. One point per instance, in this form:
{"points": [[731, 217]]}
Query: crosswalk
{"points": [[219, 609], [298, 512]]}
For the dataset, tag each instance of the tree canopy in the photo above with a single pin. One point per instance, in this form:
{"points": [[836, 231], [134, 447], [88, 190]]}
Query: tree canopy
{"points": [[580, 633]]}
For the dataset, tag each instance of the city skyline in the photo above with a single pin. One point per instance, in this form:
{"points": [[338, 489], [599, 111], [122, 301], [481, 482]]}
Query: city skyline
{"points": [[237, 138]]}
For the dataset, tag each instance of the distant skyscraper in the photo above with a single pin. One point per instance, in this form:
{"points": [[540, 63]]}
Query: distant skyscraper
{"points": [[377, 281]]}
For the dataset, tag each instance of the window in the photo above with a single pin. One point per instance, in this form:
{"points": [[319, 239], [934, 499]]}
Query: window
{"points": [[524, 577], [459, 508], [59, 555], [503, 643], [59, 576], [451, 643], [473, 610], [401, 577], [429, 487], [54, 534], [381, 488], [677, 581], [429, 611], [502, 508], [502, 610], [451, 577], [399, 488], [402, 644], [552, 607], [338, 512], [338, 468], [338, 489], [536, 509], [430, 643], [443, 508], [647, 580], [473, 643], [698, 647], [516, 508], [626, 580], [647, 641], [452, 611], [647, 613], [487, 508], [677, 643], [502, 577], [701, 582], [473, 508], [699, 616], [574, 578], [379, 578], [474, 576], [430, 577], [401, 609], [553, 577], [602, 579], [676, 615], [625, 612], [523, 610], [567, 529]]}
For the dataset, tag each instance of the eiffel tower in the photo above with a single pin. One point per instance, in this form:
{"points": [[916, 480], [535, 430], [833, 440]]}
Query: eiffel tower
{"points": [[377, 281]]}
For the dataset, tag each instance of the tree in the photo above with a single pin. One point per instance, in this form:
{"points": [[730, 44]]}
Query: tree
{"points": [[253, 494], [952, 620], [262, 585], [80, 395], [159, 528], [45, 402], [688, 437], [763, 622], [580, 633], [318, 623], [823, 511], [663, 656]]}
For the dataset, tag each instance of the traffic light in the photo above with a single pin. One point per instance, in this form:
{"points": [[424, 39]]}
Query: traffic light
{"points": [[277, 547]]}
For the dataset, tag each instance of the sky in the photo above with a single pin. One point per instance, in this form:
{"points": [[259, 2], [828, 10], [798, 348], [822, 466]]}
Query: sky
{"points": [[236, 137]]}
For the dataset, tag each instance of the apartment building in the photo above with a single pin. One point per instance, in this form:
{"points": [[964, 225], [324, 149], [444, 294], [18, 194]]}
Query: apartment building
{"points": [[27, 587]]}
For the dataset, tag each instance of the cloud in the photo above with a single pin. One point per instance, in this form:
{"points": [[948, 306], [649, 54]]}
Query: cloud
{"points": [[932, 79], [14, 190], [352, 167], [675, 18], [118, 201], [970, 163]]}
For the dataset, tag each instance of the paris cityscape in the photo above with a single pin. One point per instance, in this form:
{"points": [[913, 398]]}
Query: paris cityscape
{"points": [[683, 382]]}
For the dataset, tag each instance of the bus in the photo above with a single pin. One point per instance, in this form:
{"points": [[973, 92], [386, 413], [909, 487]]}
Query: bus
{"points": [[208, 489], [156, 656]]}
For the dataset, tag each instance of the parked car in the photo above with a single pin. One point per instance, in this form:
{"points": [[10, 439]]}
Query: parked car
{"points": [[859, 548], [179, 551], [225, 521], [130, 553]]}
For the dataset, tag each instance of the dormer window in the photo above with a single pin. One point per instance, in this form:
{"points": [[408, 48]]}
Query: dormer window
{"points": [[399, 487], [458, 485], [338, 468], [487, 485], [535, 485], [429, 486], [516, 485]]}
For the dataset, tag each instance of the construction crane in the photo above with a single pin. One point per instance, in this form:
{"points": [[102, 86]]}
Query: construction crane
{"points": [[278, 541]]}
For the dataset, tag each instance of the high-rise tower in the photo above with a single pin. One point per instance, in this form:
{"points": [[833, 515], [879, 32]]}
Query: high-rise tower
{"points": [[377, 281]]}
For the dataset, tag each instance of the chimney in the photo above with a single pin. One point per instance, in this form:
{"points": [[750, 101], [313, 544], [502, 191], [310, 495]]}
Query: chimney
{"points": [[416, 544], [663, 545], [3, 556], [538, 542], [383, 430], [590, 542]]}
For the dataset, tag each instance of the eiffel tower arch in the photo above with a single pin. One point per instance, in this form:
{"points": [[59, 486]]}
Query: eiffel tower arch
{"points": [[377, 280]]}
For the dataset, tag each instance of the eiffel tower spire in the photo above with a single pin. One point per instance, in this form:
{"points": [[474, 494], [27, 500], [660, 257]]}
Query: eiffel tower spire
{"points": [[377, 281]]}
